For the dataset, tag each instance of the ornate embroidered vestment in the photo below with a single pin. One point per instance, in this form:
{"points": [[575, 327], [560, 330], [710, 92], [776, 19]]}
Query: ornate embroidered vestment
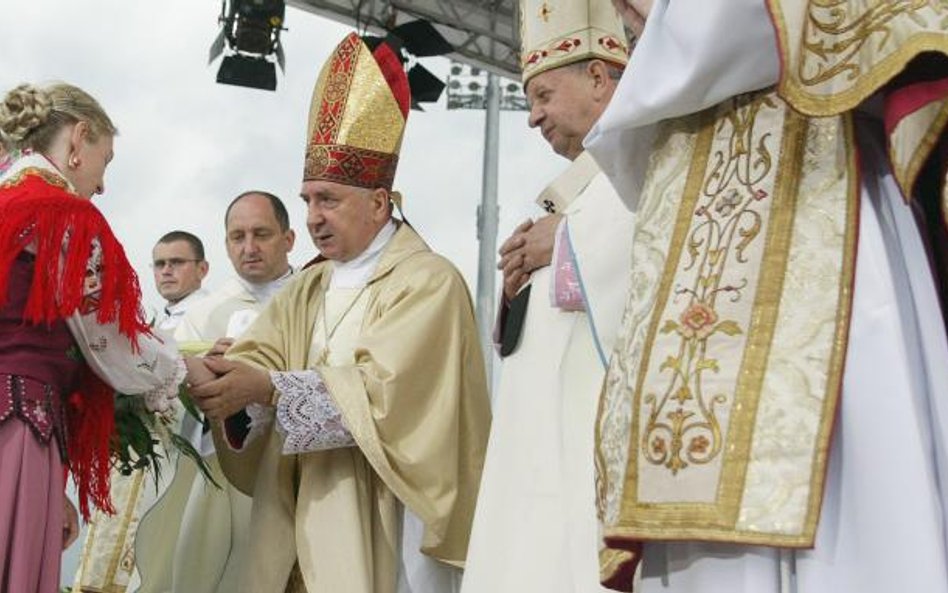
{"points": [[727, 379], [716, 413]]}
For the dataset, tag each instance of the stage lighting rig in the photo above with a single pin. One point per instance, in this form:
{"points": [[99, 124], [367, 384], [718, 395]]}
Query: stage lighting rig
{"points": [[410, 41], [250, 31]]}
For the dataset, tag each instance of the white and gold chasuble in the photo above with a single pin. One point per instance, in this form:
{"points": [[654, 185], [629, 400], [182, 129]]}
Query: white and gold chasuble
{"points": [[769, 257], [535, 525], [404, 370]]}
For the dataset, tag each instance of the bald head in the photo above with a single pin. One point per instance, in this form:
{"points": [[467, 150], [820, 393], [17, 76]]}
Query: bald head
{"points": [[259, 239]]}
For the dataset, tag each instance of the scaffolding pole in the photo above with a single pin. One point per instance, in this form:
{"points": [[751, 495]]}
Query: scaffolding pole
{"points": [[487, 220]]}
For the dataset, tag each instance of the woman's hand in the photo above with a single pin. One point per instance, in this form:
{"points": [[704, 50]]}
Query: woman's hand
{"points": [[198, 373], [70, 523]]}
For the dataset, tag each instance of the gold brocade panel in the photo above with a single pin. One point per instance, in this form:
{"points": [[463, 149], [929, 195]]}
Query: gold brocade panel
{"points": [[718, 404], [373, 119], [836, 53]]}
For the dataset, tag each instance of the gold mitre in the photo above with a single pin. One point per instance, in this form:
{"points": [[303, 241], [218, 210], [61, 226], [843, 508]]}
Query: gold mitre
{"points": [[357, 116], [555, 33]]}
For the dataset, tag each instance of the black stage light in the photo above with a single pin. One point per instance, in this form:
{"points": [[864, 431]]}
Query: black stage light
{"points": [[425, 86], [416, 39], [256, 73], [250, 31], [421, 39]]}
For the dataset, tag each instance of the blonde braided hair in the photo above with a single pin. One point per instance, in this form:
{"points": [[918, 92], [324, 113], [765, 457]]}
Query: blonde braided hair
{"points": [[31, 116]]}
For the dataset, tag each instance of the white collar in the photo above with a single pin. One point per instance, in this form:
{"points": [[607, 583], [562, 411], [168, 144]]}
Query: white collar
{"points": [[263, 291], [356, 272], [173, 312]]}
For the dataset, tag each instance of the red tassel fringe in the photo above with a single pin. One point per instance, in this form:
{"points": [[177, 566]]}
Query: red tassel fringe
{"points": [[35, 213]]}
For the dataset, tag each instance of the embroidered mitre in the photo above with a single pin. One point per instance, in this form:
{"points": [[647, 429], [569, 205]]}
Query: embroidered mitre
{"points": [[357, 116], [556, 33]]}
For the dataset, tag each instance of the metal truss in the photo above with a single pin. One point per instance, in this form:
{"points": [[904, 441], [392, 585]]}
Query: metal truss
{"points": [[486, 33]]}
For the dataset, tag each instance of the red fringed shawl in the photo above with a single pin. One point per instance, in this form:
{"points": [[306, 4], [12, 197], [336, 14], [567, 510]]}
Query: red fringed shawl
{"points": [[38, 210]]}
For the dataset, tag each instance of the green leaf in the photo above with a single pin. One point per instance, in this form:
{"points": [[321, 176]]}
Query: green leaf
{"points": [[669, 326], [135, 446], [188, 402]]}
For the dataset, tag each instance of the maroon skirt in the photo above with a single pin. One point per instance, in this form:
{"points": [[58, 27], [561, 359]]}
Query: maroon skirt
{"points": [[31, 488]]}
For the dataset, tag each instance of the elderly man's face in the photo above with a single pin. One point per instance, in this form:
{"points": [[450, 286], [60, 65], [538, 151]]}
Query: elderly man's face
{"points": [[343, 220], [563, 105]]}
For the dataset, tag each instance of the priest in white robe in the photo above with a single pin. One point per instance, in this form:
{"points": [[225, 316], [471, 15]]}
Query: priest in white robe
{"points": [[194, 539], [364, 377], [774, 415], [535, 527]]}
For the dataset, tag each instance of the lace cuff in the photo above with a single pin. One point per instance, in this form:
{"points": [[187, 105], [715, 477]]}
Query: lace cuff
{"points": [[306, 415], [261, 417], [159, 399]]}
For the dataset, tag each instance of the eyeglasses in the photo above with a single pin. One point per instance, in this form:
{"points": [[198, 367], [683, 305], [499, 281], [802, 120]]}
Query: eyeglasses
{"points": [[174, 263]]}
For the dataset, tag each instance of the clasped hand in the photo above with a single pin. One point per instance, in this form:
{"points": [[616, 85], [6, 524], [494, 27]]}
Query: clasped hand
{"points": [[221, 388], [529, 247]]}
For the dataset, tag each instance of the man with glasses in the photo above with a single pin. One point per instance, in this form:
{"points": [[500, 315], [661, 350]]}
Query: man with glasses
{"points": [[179, 267], [193, 539]]}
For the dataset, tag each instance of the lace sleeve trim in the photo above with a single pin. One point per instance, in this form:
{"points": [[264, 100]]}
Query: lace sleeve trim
{"points": [[306, 414]]}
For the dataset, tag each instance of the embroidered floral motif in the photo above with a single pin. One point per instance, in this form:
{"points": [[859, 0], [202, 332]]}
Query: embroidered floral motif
{"points": [[683, 425], [159, 399], [555, 49], [306, 415], [99, 344], [697, 321], [613, 44], [33, 401]]}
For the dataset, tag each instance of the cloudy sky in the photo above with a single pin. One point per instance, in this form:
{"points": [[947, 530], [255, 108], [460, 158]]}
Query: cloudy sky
{"points": [[187, 145]]}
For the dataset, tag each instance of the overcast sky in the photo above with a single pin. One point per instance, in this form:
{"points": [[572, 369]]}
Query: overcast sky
{"points": [[187, 145]]}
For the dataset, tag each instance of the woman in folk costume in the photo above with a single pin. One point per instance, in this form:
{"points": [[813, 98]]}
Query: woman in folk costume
{"points": [[775, 415], [72, 330]]}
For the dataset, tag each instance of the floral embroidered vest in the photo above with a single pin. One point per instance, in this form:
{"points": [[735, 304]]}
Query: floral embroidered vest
{"points": [[36, 370]]}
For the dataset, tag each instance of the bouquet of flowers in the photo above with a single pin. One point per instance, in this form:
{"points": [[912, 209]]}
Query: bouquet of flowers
{"points": [[145, 440]]}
